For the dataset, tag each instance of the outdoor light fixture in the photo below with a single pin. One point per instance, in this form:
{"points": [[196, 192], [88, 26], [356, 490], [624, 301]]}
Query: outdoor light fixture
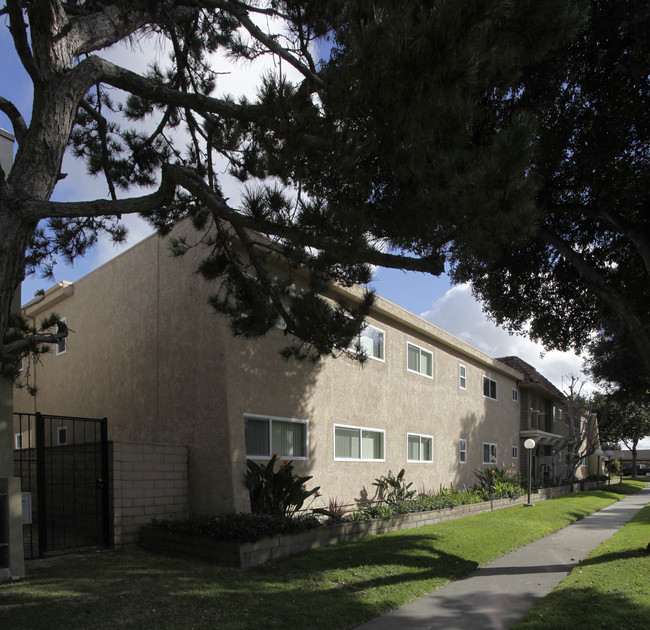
{"points": [[609, 454], [598, 452], [529, 444]]}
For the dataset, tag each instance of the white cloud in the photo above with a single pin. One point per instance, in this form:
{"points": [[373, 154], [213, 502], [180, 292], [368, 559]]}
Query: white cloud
{"points": [[460, 314]]}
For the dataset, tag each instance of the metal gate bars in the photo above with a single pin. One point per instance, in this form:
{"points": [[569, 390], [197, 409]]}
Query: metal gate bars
{"points": [[63, 465]]}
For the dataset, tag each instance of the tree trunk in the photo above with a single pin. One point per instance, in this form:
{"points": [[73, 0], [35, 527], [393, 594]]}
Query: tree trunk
{"points": [[14, 237]]}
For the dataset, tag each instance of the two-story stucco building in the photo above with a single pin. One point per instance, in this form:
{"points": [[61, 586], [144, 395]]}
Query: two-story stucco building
{"points": [[147, 351]]}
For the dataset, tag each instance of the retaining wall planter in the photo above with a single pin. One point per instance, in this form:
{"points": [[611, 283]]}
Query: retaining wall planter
{"points": [[243, 555]]}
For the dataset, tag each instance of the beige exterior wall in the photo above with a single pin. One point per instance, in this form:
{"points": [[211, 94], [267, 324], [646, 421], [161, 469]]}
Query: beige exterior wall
{"points": [[149, 353]]}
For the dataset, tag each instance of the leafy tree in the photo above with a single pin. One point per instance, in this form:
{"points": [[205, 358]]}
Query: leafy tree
{"points": [[582, 437], [588, 266], [385, 153], [624, 420], [614, 363]]}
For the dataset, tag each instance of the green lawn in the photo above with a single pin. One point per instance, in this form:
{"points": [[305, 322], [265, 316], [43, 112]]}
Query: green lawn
{"points": [[334, 587], [610, 588]]}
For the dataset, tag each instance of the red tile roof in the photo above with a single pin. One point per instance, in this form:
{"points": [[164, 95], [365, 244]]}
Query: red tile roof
{"points": [[531, 375]]}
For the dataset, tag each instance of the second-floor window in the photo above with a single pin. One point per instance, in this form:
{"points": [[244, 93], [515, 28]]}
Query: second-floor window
{"points": [[489, 388], [61, 346], [462, 377], [419, 360], [371, 341]]}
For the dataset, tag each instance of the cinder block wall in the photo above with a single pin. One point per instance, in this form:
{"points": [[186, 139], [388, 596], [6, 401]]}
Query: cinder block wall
{"points": [[149, 481]]}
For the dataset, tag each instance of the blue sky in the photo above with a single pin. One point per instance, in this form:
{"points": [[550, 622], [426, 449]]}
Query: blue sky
{"points": [[433, 298]]}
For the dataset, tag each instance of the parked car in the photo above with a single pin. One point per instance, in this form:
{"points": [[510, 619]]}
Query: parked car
{"points": [[641, 470]]}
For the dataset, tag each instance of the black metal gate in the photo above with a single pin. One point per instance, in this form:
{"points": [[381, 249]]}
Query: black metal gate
{"points": [[63, 464]]}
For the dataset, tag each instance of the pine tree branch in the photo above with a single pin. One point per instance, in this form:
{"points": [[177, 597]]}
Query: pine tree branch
{"points": [[31, 341], [104, 71], [173, 175], [18, 30], [240, 11], [14, 115], [189, 180], [102, 130], [112, 24], [36, 210]]}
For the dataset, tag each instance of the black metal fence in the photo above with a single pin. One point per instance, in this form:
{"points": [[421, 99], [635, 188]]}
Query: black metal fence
{"points": [[63, 465]]}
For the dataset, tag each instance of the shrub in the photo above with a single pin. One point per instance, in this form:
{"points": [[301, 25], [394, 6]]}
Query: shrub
{"points": [[242, 527], [394, 489], [335, 511], [278, 493], [498, 483]]}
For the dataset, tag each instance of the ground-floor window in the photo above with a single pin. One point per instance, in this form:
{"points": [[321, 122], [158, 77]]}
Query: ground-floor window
{"points": [[359, 443], [489, 453], [268, 435], [462, 451], [419, 448], [515, 452]]}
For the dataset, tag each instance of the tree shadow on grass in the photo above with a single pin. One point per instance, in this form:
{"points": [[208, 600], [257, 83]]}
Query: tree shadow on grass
{"points": [[628, 554], [587, 608]]}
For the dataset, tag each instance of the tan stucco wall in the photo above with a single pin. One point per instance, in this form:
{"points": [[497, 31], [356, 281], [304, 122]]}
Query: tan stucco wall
{"points": [[151, 355], [377, 395]]}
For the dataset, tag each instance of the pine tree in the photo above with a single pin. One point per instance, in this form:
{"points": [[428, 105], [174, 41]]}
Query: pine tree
{"points": [[394, 147]]}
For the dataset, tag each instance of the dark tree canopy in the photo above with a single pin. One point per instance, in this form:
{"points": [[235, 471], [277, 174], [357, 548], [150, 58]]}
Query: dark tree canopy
{"points": [[588, 267], [399, 147]]}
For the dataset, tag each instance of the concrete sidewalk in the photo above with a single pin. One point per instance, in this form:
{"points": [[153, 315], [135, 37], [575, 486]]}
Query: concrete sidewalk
{"points": [[499, 594]]}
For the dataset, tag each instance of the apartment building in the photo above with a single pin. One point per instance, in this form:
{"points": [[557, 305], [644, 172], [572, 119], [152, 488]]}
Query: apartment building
{"points": [[146, 351]]}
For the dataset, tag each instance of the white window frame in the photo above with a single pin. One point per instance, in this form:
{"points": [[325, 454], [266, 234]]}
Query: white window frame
{"points": [[271, 419], [515, 395], [496, 388], [462, 451], [462, 376], [421, 350], [515, 452], [360, 429], [61, 431], [493, 458], [63, 341], [382, 358], [19, 441], [421, 437]]}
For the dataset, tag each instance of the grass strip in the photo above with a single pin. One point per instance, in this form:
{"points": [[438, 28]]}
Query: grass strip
{"points": [[334, 587], [610, 588]]}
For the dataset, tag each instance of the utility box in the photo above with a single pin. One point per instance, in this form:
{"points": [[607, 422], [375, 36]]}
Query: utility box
{"points": [[27, 508]]}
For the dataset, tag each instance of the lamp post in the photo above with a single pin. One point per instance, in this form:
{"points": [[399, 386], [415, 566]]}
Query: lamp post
{"points": [[609, 454], [598, 452], [529, 444]]}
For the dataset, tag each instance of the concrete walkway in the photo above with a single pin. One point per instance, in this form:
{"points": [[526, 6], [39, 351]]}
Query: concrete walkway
{"points": [[500, 593]]}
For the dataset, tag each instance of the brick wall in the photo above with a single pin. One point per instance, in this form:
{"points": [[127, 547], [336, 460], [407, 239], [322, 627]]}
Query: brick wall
{"points": [[149, 481]]}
